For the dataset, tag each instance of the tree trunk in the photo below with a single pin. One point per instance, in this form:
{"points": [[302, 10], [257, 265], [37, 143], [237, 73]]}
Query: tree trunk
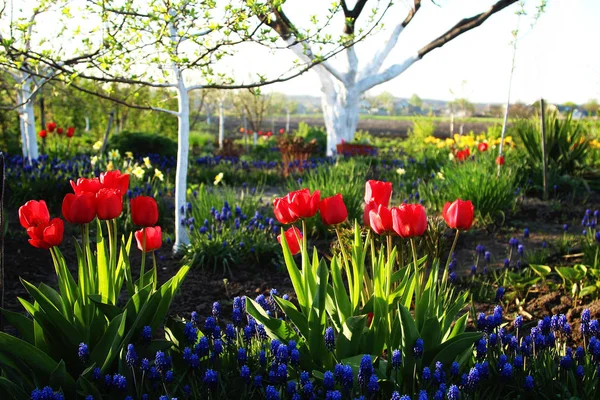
{"points": [[340, 111], [221, 125], [27, 115], [183, 147]]}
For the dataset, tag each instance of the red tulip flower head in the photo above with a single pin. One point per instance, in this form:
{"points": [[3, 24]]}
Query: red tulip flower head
{"points": [[292, 237], [459, 214], [60, 131], [333, 210], [33, 213], [43, 133], [463, 154], [379, 192], [281, 208], [370, 206], [70, 132], [380, 220], [47, 235], [109, 203], [144, 211], [86, 185], [43, 232], [483, 146], [281, 131], [51, 126], [115, 180], [79, 208], [409, 220], [500, 160], [303, 204], [153, 239]]}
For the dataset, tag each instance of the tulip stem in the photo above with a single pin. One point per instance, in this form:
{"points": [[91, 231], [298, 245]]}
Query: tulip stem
{"points": [[417, 277], [141, 281], [389, 246], [346, 263], [155, 278], [445, 276]]}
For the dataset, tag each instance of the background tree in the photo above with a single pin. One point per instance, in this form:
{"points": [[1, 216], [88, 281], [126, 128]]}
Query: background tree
{"points": [[591, 106], [415, 101], [342, 89]]}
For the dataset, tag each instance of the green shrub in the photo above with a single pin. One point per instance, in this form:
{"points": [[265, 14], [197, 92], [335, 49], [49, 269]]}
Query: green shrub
{"points": [[567, 144], [143, 143]]}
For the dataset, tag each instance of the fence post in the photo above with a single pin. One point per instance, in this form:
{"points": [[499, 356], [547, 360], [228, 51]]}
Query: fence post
{"points": [[544, 159]]}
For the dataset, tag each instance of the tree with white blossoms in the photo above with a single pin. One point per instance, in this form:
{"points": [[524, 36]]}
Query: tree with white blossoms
{"points": [[343, 89], [177, 45]]}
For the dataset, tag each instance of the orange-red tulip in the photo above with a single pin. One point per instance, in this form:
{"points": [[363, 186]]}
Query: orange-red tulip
{"points": [[47, 235], [292, 237], [380, 220], [409, 220], [33, 213], [459, 214], [153, 238], [144, 211], [86, 185], [303, 204], [109, 203], [333, 210], [281, 209], [79, 208], [115, 180], [378, 191]]}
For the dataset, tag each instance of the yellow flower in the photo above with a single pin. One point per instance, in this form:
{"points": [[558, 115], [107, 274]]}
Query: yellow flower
{"points": [[449, 142], [440, 175], [218, 178], [450, 156], [110, 166], [158, 174], [94, 160], [129, 154], [138, 172], [98, 145], [401, 171], [114, 154], [147, 162]]}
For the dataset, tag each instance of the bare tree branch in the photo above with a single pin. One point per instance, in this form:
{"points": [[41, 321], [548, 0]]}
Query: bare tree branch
{"points": [[465, 25]]}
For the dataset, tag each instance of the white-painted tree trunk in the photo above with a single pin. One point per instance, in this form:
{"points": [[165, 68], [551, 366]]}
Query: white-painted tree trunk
{"points": [[340, 111], [221, 125], [287, 120], [87, 124], [27, 119], [183, 147]]}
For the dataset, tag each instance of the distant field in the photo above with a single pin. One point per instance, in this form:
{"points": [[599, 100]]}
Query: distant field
{"points": [[378, 125]]}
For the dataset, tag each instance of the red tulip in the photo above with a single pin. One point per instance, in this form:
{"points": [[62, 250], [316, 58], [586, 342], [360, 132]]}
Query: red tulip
{"points": [[33, 213], [60, 131], [47, 235], [70, 131], [115, 180], [371, 205], [500, 160], [86, 185], [79, 208], [463, 154], [51, 126], [409, 220], [380, 220], [144, 211], [281, 131], [379, 192], [292, 237], [153, 238], [260, 133], [109, 203], [482, 146], [303, 204], [333, 210], [43, 133], [459, 214], [281, 208], [269, 134]]}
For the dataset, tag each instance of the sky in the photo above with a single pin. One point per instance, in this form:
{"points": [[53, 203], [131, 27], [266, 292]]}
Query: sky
{"points": [[558, 58]]}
